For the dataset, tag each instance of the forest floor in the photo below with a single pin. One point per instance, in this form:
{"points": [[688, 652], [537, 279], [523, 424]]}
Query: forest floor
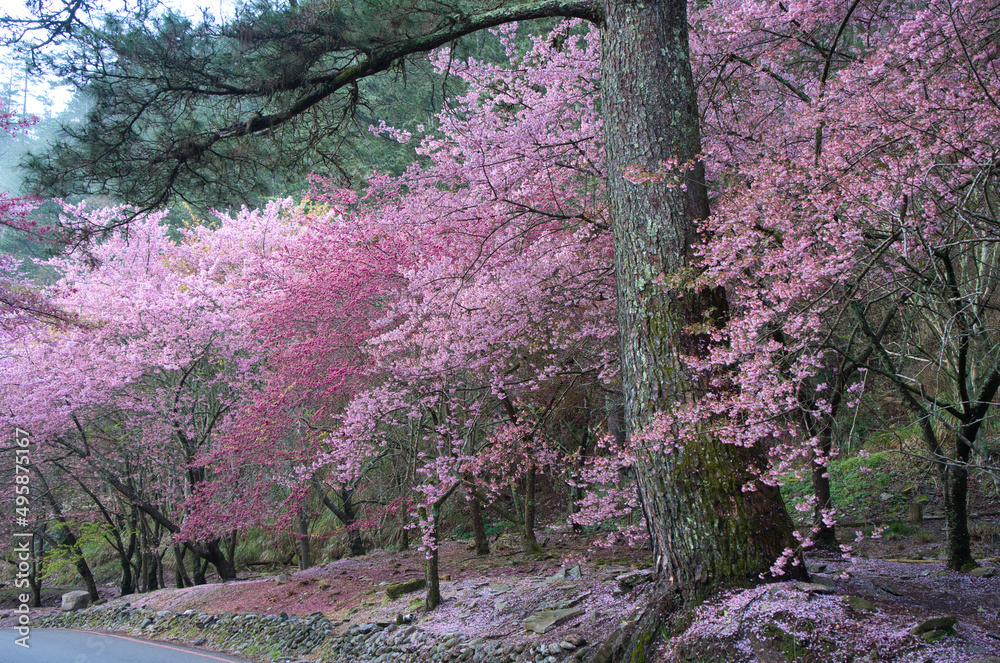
{"points": [[860, 608]]}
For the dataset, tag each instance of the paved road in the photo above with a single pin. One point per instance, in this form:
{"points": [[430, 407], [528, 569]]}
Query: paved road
{"points": [[62, 646]]}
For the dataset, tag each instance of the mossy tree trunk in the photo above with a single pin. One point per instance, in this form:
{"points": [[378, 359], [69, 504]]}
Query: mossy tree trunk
{"points": [[706, 530]]}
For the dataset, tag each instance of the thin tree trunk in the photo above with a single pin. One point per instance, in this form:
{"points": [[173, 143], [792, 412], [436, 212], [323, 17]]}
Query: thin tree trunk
{"points": [[955, 477], [149, 564], [478, 529], [825, 536], [69, 540], [183, 579], [431, 574], [350, 524], [125, 555], [143, 578], [231, 553], [305, 559], [36, 575], [528, 539], [577, 493], [159, 570], [198, 567]]}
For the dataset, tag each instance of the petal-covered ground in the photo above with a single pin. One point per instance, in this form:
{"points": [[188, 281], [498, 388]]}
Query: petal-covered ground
{"points": [[859, 609]]}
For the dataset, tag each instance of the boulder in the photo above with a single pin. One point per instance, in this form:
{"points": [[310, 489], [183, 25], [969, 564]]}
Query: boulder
{"points": [[73, 601], [983, 572]]}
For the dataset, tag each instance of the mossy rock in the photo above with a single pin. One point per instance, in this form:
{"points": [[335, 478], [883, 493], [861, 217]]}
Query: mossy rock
{"points": [[859, 604], [940, 625], [404, 588]]}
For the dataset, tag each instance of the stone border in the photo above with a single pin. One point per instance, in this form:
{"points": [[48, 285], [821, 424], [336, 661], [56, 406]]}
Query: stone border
{"points": [[283, 638]]}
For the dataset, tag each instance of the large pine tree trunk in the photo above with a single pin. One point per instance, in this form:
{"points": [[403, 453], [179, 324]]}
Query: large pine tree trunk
{"points": [[707, 531]]}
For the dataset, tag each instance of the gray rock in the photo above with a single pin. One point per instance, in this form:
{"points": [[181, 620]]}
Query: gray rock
{"points": [[866, 587], [557, 576], [544, 621], [73, 601], [983, 572], [813, 588], [627, 581], [889, 588]]}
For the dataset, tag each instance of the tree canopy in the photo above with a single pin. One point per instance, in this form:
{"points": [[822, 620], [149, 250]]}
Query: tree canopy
{"points": [[215, 114]]}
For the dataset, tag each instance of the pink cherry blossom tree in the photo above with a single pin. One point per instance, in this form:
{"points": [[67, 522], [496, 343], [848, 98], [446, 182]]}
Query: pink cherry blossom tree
{"points": [[149, 375], [854, 230]]}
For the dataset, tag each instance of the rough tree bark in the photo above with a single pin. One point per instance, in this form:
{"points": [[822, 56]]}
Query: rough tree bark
{"points": [[706, 530]]}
